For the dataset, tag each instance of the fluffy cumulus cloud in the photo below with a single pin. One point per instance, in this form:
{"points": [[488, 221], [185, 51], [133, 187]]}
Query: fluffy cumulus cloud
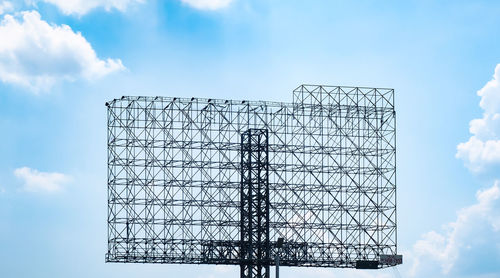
{"points": [[469, 245], [36, 54], [207, 4], [36, 181], [81, 7], [483, 147], [5, 7]]}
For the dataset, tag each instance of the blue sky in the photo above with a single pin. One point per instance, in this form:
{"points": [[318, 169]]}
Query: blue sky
{"points": [[60, 61]]}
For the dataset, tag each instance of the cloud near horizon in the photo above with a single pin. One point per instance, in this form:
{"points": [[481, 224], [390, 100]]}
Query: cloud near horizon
{"points": [[482, 150], [470, 245], [464, 245], [36, 54], [36, 181]]}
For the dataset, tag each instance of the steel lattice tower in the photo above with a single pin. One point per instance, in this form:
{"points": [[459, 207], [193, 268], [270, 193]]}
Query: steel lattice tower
{"points": [[254, 230]]}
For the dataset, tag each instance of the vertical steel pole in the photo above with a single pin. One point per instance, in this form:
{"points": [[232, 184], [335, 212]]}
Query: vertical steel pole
{"points": [[254, 225], [277, 259]]}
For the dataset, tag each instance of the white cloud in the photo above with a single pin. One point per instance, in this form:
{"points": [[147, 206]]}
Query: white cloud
{"points": [[207, 4], [467, 245], [471, 244], [5, 7], [36, 54], [81, 7], [35, 181], [483, 147]]}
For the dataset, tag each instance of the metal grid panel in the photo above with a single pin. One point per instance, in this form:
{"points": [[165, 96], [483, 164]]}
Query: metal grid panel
{"points": [[174, 177]]}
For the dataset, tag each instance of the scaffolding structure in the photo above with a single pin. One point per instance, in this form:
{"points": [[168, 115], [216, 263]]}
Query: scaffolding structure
{"points": [[210, 181]]}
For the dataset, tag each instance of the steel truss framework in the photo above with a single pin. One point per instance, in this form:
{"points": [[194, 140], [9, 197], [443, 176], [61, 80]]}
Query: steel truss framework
{"points": [[177, 178]]}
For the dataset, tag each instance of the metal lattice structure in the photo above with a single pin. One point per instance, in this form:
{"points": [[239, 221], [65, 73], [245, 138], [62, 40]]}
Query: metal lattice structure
{"points": [[209, 181]]}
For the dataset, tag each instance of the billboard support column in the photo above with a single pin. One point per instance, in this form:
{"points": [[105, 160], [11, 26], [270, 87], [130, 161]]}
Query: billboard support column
{"points": [[254, 220]]}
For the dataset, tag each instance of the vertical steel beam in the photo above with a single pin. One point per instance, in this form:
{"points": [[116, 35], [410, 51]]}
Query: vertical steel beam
{"points": [[254, 220]]}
